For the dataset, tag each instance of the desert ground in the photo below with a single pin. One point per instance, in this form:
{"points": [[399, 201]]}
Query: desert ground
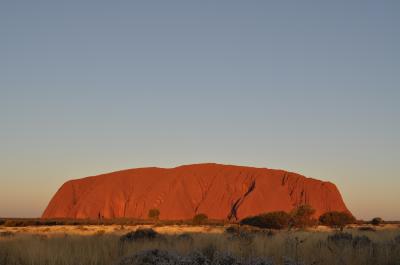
{"points": [[188, 244]]}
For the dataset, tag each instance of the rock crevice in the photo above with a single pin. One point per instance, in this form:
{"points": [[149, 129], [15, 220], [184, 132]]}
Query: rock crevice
{"points": [[219, 191], [235, 206]]}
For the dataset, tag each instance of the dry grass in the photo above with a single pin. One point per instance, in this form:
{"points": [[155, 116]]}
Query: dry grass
{"points": [[90, 245]]}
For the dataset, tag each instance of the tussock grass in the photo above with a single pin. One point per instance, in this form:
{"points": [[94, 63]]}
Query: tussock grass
{"points": [[106, 248]]}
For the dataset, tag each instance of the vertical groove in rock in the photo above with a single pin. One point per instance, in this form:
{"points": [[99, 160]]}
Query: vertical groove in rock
{"points": [[234, 209], [220, 191]]}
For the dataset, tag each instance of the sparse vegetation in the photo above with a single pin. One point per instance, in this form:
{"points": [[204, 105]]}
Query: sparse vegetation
{"points": [[294, 247], [232, 229], [340, 238], [6, 234], [367, 228], [302, 216], [200, 219], [272, 220], [23, 222], [336, 219], [156, 256], [376, 221], [185, 237], [140, 234], [154, 214], [397, 239]]}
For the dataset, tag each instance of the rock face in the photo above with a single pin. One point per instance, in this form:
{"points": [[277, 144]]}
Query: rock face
{"points": [[220, 191]]}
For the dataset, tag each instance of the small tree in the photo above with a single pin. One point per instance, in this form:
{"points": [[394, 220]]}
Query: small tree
{"points": [[376, 221], [272, 220], [336, 219], [200, 218], [154, 214], [302, 216]]}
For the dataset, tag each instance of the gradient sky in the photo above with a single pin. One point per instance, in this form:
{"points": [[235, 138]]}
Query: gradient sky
{"points": [[88, 87]]}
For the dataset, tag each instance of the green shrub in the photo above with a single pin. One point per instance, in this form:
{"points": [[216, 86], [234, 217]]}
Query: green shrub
{"points": [[200, 218], [154, 214], [272, 220], [140, 234], [377, 221], [302, 216], [336, 219]]}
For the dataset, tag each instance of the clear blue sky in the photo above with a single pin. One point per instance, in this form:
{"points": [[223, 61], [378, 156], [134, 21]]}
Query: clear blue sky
{"points": [[88, 87]]}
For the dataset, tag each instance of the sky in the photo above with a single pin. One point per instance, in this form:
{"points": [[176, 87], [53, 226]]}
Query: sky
{"points": [[89, 87]]}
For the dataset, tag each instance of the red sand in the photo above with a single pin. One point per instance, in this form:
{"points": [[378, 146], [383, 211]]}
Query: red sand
{"points": [[220, 191]]}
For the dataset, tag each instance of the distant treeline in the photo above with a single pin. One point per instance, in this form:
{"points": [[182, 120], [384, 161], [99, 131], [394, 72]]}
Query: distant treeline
{"points": [[21, 222]]}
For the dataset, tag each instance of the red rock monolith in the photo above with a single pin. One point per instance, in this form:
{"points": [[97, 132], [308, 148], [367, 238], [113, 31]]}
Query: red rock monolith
{"points": [[219, 191]]}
